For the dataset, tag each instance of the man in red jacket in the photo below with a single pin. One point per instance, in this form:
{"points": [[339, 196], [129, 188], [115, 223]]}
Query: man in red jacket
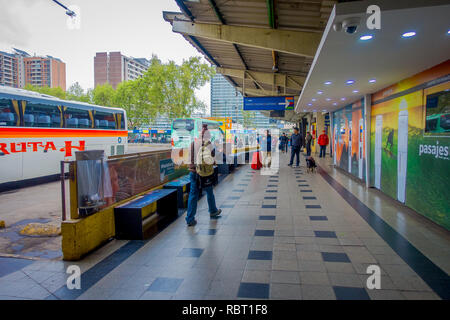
{"points": [[323, 142]]}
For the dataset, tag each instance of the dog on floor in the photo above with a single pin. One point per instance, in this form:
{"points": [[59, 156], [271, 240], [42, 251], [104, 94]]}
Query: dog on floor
{"points": [[310, 165]]}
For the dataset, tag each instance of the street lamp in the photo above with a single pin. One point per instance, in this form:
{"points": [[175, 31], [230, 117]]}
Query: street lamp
{"points": [[69, 12]]}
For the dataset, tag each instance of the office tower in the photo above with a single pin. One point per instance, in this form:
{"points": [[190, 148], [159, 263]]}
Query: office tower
{"points": [[226, 101], [114, 67]]}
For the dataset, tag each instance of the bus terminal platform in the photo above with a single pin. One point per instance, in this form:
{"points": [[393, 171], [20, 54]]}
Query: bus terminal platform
{"points": [[286, 235]]}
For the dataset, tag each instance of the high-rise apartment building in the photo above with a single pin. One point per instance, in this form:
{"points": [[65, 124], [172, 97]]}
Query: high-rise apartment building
{"points": [[226, 101], [19, 68], [114, 67]]}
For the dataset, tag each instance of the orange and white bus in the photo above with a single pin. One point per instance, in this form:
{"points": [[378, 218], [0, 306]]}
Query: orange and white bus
{"points": [[38, 131]]}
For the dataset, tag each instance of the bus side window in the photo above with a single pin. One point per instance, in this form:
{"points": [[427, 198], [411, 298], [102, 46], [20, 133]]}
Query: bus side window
{"points": [[8, 116], [77, 118], [105, 120], [41, 115]]}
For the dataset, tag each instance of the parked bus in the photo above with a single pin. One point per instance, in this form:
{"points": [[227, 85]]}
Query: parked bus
{"points": [[185, 131], [37, 131]]}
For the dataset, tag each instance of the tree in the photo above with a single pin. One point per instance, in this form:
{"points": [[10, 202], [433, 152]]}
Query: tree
{"points": [[55, 92], [76, 92], [103, 95]]}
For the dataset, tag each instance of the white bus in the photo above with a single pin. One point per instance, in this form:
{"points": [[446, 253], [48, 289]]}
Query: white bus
{"points": [[38, 131]]}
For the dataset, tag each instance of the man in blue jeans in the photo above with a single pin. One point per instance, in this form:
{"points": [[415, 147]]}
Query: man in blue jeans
{"points": [[296, 144], [194, 178]]}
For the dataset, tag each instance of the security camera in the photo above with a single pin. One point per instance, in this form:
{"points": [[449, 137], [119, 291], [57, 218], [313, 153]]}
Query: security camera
{"points": [[350, 25]]}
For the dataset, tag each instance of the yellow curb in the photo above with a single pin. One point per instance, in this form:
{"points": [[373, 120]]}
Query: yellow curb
{"points": [[41, 229]]}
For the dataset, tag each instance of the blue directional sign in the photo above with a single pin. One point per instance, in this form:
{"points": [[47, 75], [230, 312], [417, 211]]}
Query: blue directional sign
{"points": [[269, 103]]}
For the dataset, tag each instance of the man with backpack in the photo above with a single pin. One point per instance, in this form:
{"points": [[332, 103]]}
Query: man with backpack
{"points": [[201, 176]]}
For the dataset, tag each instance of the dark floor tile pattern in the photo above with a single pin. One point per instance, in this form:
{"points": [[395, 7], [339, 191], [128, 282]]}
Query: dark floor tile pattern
{"points": [[318, 218], [253, 290], [348, 293], [267, 217], [264, 233], [191, 252], [227, 206], [209, 232], [335, 257], [259, 255], [432, 274], [325, 234], [163, 284]]}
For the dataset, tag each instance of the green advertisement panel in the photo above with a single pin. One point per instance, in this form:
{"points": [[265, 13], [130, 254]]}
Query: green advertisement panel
{"points": [[410, 150]]}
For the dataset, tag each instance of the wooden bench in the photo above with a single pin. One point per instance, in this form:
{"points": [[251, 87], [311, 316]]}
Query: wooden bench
{"points": [[182, 185], [145, 215]]}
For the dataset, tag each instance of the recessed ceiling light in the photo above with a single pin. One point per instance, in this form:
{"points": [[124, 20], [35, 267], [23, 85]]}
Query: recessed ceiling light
{"points": [[335, 104], [313, 99], [350, 82], [448, 32], [366, 37], [355, 91], [328, 99], [342, 99], [327, 83], [408, 34], [372, 80], [309, 104], [319, 92]]}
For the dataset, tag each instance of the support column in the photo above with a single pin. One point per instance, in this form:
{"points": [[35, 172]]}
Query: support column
{"points": [[367, 121]]}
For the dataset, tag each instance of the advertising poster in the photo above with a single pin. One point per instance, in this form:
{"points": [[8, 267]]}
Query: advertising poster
{"points": [[410, 142]]}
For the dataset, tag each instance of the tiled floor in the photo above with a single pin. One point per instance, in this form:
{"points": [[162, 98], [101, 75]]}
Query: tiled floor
{"points": [[285, 235]]}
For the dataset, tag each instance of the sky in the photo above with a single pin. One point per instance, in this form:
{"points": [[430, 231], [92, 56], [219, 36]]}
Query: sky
{"points": [[134, 27]]}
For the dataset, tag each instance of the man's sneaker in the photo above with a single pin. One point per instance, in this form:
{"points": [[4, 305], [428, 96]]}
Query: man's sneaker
{"points": [[289, 165], [192, 223], [215, 214]]}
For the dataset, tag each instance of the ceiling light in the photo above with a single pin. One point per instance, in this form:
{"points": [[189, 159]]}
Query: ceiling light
{"points": [[319, 92], [327, 83], [328, 99], [355, 91], [372, 80], [448, 32], [335, 104], [350, 82], [310, 104], [366, 37], [342, 99], [313, 99], [408, 34]]}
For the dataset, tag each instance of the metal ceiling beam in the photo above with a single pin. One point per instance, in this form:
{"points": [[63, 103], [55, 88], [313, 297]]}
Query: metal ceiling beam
{"points": [[299, 43], [185, 9], [278, 79]]}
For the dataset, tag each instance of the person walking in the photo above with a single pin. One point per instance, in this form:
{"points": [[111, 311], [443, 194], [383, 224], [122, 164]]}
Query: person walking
{"points": [[323, 142], [201, 176], [266, 149], [296, 144], [283, 142], [308, 143]]}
